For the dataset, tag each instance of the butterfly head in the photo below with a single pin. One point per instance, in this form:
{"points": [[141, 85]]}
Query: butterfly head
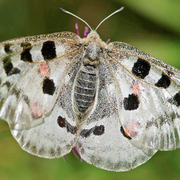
{"points": [[93, 43], [92, 36]]}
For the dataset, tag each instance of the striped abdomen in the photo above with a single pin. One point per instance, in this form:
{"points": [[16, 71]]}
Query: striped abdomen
{"points": [[85, 88]]}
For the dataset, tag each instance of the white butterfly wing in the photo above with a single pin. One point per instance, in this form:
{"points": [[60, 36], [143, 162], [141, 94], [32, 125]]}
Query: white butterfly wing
{"points": [[149, 112], [37, 75], [55, 136], [113, 102], [102, 141]]}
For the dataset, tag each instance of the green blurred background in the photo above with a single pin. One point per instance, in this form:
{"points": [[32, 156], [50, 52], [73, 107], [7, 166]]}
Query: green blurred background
{"points": [[151, 25]]}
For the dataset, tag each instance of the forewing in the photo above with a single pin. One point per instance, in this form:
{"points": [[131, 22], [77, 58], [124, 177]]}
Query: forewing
{"points": [[102, 141], [36, 75], [149, 99]]}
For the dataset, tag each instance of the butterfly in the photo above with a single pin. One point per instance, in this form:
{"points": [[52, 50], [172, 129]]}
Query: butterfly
{"points": [[113, 103]]}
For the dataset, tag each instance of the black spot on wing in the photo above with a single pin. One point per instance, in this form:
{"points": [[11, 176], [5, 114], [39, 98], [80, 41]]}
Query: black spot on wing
{"points": [[86, 132], [175, 100], [165, 120], [98, 130], [25, 44], [170, 73], [164, 81], [7, 84], [8, 67], [48, 86], [61, 121], [141, 68], [152, 122], [64, 124], [124, 133], [49, 50], [7, 48], [131, 102], [14, 71], [26, 55], [26, 99]]}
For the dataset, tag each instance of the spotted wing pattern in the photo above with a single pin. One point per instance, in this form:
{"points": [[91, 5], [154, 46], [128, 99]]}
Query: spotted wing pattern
{"points": [[112, 102], [36, 77], [150, 112], [102, 140]]}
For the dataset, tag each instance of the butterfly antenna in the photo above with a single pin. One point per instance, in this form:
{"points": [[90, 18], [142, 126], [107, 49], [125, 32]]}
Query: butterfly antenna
{"points": [[76, 17], [109, 17]]}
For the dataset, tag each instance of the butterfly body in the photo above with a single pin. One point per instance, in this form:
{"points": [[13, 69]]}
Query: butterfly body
{"points": [[86, 81], [116, 104]]}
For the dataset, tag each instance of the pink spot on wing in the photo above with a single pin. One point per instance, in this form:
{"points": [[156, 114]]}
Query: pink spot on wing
{"points": [[43, 69], [36, 109], [131, 129], [77, 29], [137, 88], [86, 32]]}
